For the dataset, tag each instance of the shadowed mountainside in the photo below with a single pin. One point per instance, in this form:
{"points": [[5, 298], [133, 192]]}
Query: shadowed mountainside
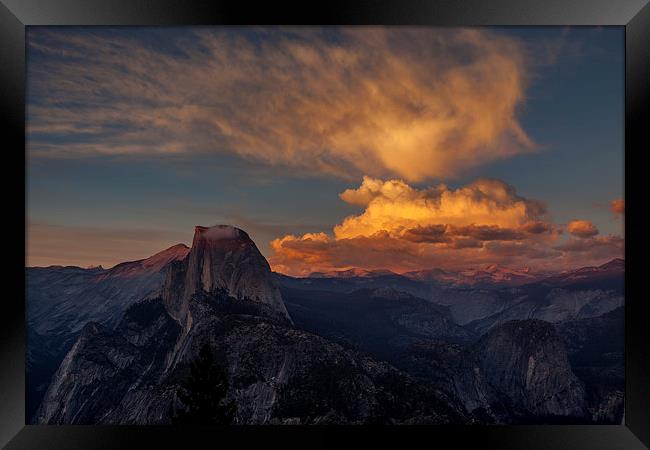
{"points": [[353, 347], [61, 300]]}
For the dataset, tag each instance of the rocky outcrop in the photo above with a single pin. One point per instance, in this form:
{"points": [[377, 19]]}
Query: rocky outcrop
{"points": [[104, 365], [278, 374], [222, 258], [517, 373], [520, 369], [597, 354]]}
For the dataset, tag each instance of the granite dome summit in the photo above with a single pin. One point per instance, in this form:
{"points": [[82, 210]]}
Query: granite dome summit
{"points": [[223, 258]]}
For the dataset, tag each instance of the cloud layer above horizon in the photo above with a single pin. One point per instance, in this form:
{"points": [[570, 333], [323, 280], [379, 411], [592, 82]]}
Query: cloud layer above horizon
{"points": [[273, 122], [411, 103], [402, 228]]}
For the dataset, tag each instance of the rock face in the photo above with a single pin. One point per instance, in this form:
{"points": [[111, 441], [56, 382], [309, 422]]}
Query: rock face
{"points": [[222, 258], [523, 366], [596, 351], [61, 300], [517, 373], [104, 365], [278, 374]]}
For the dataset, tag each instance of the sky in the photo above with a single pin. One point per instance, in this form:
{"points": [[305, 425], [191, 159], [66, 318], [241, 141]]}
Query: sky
{"points": [[375, 147]]}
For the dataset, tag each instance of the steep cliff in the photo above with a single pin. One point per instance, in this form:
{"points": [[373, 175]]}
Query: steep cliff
{"points": [[222, 258], [519, 372]]}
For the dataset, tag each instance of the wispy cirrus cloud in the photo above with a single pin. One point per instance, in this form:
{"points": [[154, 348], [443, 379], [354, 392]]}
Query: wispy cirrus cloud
{"points": [[416, 103]]}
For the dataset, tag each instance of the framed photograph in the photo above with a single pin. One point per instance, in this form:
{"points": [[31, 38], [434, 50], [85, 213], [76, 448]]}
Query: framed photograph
{"points": [[393, 222]]}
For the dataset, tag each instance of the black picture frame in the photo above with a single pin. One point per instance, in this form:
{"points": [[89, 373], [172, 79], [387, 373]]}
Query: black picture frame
{"points": [[15, 15]]}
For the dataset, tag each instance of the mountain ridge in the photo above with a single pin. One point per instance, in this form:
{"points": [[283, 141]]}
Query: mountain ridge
{"points": [[490, 274]]}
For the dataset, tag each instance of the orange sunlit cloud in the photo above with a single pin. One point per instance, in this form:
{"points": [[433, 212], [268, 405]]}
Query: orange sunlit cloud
{"points": [[403, 228], [416, 103], [582, 228], [618, 206], [394, 206]]}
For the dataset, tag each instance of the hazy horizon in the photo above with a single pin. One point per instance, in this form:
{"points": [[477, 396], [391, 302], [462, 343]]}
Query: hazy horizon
{"points": [[344, 269]]}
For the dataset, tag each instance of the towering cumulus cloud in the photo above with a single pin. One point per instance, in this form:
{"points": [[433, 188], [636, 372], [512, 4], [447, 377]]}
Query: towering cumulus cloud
{"points": [[397, 208], [416, 103], [403, 228]]}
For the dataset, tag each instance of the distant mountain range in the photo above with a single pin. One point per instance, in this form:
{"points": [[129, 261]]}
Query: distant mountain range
{"points": [[489, 275], [493, 345], [613, 269]]}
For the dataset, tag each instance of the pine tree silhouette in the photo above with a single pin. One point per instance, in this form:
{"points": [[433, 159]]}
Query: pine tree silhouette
{"points": [[203, 393]]}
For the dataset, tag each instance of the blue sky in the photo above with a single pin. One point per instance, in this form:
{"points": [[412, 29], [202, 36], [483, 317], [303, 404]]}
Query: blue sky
{"points": [[575, 110], [86, 183]]}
